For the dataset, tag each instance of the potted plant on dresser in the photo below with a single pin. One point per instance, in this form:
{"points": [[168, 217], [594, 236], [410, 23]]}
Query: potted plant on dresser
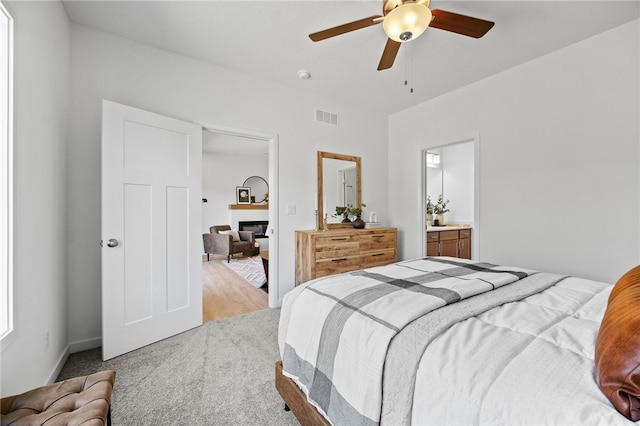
{"points": [[356, 212]]}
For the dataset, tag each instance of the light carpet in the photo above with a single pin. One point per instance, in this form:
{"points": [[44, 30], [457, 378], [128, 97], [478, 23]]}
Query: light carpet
{"points": [[249, 268], [221, 373]]}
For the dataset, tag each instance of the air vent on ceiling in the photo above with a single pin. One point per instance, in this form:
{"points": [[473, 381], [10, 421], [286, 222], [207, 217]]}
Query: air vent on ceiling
{"points": [[326, 117]]}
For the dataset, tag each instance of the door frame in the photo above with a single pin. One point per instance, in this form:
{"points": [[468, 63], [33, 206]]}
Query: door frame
{"points": [[272, 139], [475, 139]]}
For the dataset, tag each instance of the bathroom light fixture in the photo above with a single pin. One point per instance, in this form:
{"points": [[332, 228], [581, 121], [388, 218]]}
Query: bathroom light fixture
{"points": [[433, 160], [407, 22]]}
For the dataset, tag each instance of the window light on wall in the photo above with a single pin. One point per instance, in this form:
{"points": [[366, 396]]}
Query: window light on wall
{"points": [[6, 160]]}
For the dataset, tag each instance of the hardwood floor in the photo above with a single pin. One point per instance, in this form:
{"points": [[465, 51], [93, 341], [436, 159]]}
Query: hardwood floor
{"points": [[226, 294]]}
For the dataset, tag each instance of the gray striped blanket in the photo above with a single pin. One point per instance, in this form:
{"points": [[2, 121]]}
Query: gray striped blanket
{"points": [[348, 321]]}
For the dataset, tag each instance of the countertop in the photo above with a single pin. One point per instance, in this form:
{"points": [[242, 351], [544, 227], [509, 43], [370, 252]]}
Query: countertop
{"points": [[448, 227]]}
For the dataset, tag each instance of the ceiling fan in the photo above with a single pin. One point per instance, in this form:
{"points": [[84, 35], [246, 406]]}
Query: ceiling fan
{"points": [[405, 20]]}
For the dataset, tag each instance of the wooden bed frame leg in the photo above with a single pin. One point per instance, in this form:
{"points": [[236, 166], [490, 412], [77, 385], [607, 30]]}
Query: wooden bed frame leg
{"points": [[286, 408]]}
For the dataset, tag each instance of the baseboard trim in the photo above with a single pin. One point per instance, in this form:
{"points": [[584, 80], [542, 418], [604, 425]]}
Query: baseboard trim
{"points": [[80, 346], [58, 368], [85, 345]]}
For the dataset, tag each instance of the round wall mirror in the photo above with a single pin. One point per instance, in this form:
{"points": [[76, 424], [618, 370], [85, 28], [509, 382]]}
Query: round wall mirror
{"points": [[259, 188]]}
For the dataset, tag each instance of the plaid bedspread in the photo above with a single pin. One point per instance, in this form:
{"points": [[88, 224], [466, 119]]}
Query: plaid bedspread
{"points": [[349, 320]]}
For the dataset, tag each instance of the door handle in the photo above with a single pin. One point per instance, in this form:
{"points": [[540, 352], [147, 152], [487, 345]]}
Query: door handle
{"points": [[112, 243]]}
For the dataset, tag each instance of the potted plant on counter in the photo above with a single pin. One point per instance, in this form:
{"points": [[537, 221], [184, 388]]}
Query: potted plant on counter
{"points": [[429, 211], [439, 209]]}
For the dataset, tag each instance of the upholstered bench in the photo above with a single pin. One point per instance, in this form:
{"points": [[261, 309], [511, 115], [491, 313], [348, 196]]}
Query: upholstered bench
{"points": [[82, 400]]}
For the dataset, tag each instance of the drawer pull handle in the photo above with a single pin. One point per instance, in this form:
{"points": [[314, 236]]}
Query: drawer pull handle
{"points": [[378, 236], [339, 260], [377, 254], [340, 239]]}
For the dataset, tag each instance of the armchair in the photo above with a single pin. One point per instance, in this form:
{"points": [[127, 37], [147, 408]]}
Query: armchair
{"points": [[221, 240]]}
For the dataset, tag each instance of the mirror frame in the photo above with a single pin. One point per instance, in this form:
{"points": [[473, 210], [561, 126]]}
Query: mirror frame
{"points": [[320, 201], [264, 197]]}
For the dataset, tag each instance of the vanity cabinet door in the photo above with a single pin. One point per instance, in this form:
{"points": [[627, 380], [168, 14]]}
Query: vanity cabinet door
{"points": [[449, 243], [432, 243], [464, 244], [449, 248]]}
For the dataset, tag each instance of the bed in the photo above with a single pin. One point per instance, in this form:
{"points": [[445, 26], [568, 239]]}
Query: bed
{"points": [[451, 341]]}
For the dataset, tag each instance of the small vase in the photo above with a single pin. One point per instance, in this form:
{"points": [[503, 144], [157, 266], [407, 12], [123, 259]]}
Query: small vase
{"points": [[358, 223], [440, 218], [429, 219], [345, 219]]}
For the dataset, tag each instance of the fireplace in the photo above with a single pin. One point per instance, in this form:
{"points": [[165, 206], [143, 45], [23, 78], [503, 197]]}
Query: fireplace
{"points": [[259, 227]]}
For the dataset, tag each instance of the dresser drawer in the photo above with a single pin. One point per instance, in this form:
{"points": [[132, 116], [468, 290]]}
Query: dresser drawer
{"points": [[335, 250], [337, 265], [377, 241], [378, 259], [328, 247]]}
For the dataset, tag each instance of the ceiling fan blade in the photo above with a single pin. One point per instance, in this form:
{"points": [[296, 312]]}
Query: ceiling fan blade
{"points": [[345, 28], [460, 24], [389, 54]]}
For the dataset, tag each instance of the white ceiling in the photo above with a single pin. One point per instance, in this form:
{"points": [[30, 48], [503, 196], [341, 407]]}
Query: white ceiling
{"points": [[268, 39]]}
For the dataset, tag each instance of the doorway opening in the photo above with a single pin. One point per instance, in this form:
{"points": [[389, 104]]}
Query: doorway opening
{"points": [[238, 158], [451, 171]]}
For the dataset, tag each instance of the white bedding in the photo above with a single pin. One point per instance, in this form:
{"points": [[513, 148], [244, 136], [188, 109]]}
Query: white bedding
{"points": [[527, 362]]}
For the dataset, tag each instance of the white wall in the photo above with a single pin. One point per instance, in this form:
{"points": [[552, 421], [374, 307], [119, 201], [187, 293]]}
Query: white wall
{"points": [[41, 89], [221, 173], [559, 158], [105, 66]]}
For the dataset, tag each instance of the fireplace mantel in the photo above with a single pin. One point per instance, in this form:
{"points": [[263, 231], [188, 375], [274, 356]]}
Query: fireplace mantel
{"points": [[248, 206]]}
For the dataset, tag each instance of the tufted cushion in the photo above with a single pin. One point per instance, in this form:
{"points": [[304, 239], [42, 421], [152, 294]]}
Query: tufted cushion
{"points": [[617, 355], [77, 401]]}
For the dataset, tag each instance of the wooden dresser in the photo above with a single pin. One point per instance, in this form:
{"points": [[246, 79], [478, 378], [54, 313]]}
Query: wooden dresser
{"points": [[322, 253]]}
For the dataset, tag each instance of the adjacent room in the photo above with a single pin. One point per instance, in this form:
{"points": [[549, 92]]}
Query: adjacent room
{"points": [[415, 196], [234, 279]]}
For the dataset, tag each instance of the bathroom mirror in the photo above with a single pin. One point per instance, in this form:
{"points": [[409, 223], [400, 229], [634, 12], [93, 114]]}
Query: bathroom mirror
{"points": [[434, 175], [259, 188], [339, 184], [450, 171]]}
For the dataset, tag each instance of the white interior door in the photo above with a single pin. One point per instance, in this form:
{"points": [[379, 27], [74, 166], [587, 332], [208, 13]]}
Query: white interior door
{"points": [[151, 254]]}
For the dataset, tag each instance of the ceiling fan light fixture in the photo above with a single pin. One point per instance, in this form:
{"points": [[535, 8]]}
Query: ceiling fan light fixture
{"points": [[406, 22]]}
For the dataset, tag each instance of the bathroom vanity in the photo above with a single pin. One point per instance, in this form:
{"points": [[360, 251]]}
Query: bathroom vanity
{"points": [[450, 240]]}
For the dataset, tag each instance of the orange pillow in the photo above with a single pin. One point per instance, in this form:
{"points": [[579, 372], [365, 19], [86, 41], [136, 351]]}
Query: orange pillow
{"points": [[617, 355]]}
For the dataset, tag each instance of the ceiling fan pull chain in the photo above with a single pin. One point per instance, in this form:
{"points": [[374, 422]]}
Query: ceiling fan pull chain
{"points": [[405, 69], [408, 67], [411, 67]]}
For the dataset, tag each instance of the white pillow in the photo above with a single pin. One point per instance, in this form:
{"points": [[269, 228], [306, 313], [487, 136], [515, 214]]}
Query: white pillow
{"points": [[233, 233]]}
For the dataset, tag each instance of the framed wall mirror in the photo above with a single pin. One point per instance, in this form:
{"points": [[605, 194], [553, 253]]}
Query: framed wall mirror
{"points": [[259, 188], [339, 184]]}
